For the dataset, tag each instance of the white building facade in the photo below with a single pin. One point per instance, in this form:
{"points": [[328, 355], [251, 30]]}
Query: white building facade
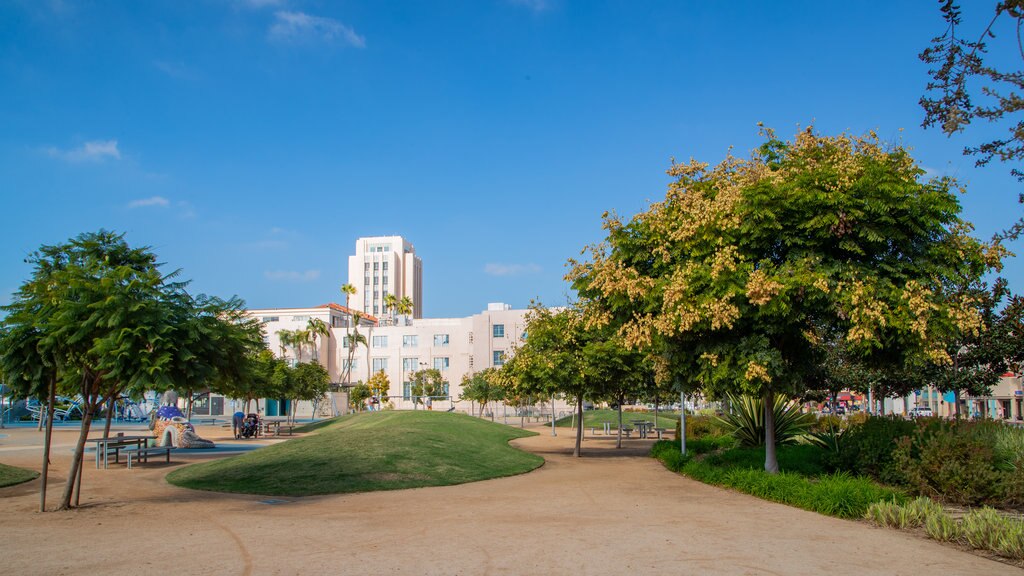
{"points": [[385, 265]]}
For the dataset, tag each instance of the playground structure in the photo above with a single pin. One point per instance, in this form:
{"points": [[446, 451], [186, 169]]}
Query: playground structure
{"points": [[173, 429]]}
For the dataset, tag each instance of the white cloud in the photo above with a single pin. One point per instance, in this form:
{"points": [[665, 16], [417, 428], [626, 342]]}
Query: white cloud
{"points": [[94, 150], [151, 201], [301, 26], [292, 275], [535, 5], [495, 269]]}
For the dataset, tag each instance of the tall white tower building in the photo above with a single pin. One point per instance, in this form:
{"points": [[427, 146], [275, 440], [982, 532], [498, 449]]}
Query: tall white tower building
{"points": [[385, 265]]}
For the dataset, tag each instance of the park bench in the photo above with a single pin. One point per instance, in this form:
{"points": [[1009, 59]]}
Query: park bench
{"points": [[660, 431], [142, 453], [627, 431]]}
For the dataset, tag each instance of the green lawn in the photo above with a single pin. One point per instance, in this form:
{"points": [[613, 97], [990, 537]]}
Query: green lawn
{"points": [[599, 417], [372, 451], [11, 475]]}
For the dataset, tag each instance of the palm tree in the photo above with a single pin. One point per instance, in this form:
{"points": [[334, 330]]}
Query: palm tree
{"points": [[317, 327], [391, 303], [405, 306], [285, 339], [302, 338]]}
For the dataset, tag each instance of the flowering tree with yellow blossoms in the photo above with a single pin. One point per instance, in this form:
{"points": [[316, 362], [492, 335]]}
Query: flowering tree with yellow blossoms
{"points": [[730, 282]]}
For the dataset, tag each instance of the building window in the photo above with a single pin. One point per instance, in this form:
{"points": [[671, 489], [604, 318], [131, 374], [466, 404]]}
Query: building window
{"points": [[499, 357], [376, 295], [380, 364], [380, 341], [375, 309], [300, 318], [376, 280], [499, 330], [406, 390], [523, 336], [366, 266], [367, 280], [410, 341], [410, 364], [385, 282], [337, 322], [376, 266], [384, 266], [347, 365], [444, 387], [440, 339], [441, 363], [270, 319]]}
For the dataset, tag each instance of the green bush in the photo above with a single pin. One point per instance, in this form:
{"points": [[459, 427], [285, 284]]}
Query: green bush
{"points": [[986, 529], [837, 495], [746, 420], [826, 423], [942, 527], [913, 514], [867, 448], [952, 461], [800, 458], [701, 426]]}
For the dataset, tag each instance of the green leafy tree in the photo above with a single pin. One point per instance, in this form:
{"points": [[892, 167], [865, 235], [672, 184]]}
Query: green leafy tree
{"points": [[380, 385], [743, 265], [310, 382], [428, 383], [358, 395], [480, 389], [107, 323]]}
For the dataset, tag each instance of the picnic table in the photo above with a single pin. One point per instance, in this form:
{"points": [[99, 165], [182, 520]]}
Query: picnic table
{"points": [[115, 443], [276, 425], [642, 427]]}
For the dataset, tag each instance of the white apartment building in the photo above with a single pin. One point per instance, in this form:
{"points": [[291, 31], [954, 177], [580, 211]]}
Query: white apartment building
{"points": [[457, 347], [385, 265]]}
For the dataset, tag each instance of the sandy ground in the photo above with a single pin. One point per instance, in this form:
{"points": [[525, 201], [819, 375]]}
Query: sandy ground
{"points": [[612, 512]]}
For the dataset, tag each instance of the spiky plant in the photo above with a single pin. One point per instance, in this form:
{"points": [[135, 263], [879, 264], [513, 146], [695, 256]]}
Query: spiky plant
{"points": [[746, 420]]}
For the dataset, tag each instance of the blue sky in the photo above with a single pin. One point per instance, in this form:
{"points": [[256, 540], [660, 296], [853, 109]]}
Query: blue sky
{"points": [[251, 142]]}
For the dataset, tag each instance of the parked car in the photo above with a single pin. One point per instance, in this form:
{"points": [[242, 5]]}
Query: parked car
{"points": [[921, 412]]}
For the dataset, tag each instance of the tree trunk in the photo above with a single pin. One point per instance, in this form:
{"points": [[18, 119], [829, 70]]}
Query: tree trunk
{"points": [[682, 423], [46, 442], [956, 402], [771, 464], [553, 432], [76, 461], [618, 438], [579, 429]]}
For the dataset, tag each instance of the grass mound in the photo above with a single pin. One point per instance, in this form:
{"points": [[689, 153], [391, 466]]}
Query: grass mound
{"points": [[11, 475], [597, 418], [368, 452]]}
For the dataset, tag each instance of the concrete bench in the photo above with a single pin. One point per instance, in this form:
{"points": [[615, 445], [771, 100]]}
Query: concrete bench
{"points": [[660, 431], [627, 431], [142, 453]]}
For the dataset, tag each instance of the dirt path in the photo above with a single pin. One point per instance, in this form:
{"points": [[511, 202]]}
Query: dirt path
{"points": [[613, 512]]}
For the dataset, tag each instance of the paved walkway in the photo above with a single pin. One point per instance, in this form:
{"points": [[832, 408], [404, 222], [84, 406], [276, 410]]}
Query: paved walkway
{"points": [[612, 512]]}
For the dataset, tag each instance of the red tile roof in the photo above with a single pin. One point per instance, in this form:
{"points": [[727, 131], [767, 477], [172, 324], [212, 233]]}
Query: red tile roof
{"points": [[348, 311]]}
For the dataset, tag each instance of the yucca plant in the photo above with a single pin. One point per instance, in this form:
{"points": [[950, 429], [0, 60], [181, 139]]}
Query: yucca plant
{"points": [[745, 421]]}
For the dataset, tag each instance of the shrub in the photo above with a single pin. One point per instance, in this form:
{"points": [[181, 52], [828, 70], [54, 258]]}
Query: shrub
{"points": [[827, 422], [988, 530], [701, 426], [801, 458], [942, 527], [953, 461], [867, 447], [838, 495], [746, 420], [913, 514]]}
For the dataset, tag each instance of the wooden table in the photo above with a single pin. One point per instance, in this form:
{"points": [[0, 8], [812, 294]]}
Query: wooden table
{"points": [[115, 443]]}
